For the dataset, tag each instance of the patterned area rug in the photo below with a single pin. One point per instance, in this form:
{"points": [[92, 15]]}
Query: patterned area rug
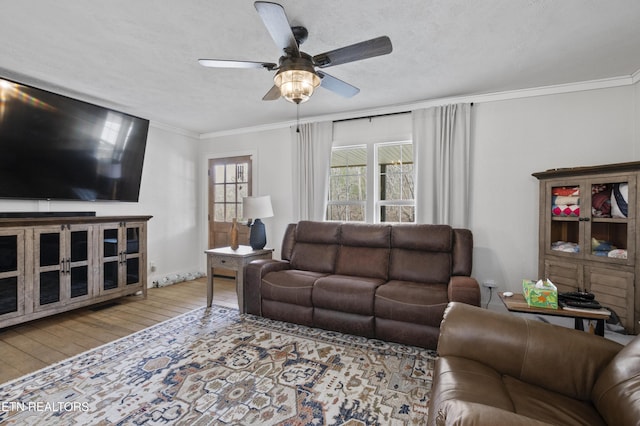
{"points": [[216, 367]]}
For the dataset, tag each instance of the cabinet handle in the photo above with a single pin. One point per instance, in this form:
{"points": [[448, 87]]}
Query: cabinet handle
{"points": [[223, 261]]}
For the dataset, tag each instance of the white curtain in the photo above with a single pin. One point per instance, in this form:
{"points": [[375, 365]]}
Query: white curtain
{"points": [[441, 141], [311, 161]]}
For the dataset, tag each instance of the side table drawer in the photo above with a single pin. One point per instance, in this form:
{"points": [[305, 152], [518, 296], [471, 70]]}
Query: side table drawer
{"points": [[229, 262]]}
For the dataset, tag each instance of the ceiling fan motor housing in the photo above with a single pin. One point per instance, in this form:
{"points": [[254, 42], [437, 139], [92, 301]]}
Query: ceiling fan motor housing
{"points": [[296, 78]]}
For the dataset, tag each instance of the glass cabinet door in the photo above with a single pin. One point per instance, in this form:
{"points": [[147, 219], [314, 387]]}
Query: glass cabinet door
{"points": [[63, 257], [608, 237], [565, 227], [121, 256], [111, 258], [133, 264], [11, 273], [592, 218], [50, 265], [79, 254]]}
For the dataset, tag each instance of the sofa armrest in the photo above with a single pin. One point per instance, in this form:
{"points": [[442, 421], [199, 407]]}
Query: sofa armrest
{"points": [[465, 290], [253, 274], [529, 350]]}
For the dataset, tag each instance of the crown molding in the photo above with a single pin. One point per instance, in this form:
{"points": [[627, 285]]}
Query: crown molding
{"points": [[172, 129], [555, 89]]}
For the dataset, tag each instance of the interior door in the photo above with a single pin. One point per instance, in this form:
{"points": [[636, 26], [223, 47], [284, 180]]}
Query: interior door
{"points": [[229, 181]]}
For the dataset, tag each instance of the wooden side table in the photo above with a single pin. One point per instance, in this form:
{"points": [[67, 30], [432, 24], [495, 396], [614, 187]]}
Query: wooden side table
{"points": [[234, 260], [517, 303]]}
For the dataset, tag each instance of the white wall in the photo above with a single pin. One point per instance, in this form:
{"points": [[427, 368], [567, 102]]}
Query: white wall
{"points": [[511, 139], [168, 193], [271, 152]]}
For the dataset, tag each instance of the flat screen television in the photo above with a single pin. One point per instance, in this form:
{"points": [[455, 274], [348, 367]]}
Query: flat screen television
{"points": [[56, 148]]}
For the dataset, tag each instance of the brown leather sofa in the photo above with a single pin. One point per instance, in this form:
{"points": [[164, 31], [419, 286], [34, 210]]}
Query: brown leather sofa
{"points": [[391, 282], [501, 369]]}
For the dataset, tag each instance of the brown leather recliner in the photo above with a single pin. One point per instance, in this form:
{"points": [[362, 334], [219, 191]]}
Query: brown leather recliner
{"points": [[391, 282], [501, 369]]}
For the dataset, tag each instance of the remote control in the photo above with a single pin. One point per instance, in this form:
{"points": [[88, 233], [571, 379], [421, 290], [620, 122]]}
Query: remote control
{"points": [[578, 304], [578, 295]]}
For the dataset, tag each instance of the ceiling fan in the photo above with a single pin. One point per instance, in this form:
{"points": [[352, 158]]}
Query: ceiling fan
{"points": [[296, 73]]}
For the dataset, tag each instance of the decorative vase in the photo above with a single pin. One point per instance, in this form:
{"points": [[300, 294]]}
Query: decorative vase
{"points": [[234, 235], [257, 235]]}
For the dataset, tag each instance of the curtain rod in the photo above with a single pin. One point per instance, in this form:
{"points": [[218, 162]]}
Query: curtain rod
{"points": [[369, 117]]}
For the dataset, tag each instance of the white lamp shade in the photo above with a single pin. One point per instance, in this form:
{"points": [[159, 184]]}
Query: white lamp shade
{"points": [[257, 207]]}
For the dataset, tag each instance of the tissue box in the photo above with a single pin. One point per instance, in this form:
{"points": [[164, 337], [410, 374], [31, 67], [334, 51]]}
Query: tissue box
{"points": [[544, 297]]}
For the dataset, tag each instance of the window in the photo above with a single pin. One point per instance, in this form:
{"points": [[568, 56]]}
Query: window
{"points": [[348, 184], [384, 193], [395, 201], [231, 177]]}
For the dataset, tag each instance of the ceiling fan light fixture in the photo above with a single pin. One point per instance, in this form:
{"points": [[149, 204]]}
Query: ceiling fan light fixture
{"points": [[296, 85]]}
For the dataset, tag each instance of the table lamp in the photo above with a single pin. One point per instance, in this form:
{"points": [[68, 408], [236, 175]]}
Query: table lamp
{"points": [[254, 208]]}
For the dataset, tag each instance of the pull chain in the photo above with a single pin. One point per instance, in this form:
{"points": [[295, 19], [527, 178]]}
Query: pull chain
{"points": [[297, 118]]}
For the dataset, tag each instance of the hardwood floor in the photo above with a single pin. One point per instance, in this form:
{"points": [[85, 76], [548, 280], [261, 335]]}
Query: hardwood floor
{"points": [[28, 347]]}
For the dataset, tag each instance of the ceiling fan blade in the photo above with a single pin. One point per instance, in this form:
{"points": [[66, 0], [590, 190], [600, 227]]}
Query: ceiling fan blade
{"points": [[275, 19], [336, 85], [222, 63], [272, 94], [355, 52]]}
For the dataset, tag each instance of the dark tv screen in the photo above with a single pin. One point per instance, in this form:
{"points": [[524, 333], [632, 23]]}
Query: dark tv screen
{"points": [[57, 148]]}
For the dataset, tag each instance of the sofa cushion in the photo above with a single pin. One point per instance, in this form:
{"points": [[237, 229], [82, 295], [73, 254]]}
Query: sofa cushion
{"points": [[422, 237], [345, 293], [287, 312], [461, 379], [457, 412], [364, 250], [411, 302], [289, 286], [616, 393], [363, 262], [316, 246], [314, 257], [344, 322], [551, 407], [317, 232], [420, 266], [407, 333], [457, 378], [365, 235]]}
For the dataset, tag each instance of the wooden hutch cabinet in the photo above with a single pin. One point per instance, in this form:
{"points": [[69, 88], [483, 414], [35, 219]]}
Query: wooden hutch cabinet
{"points": [[587, 234], [54, 264]]}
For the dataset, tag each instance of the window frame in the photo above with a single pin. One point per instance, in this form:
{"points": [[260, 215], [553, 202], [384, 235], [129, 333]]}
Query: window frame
{"points": [[349, 202], [378, 202], [372, 201]]}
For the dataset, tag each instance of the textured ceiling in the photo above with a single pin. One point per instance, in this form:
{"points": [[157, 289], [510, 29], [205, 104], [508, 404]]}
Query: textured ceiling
{"points": [[140, 56]]}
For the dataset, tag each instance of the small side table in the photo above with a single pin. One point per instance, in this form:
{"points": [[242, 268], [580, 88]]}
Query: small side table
{"points": [[234, 260], [517, 303]]}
